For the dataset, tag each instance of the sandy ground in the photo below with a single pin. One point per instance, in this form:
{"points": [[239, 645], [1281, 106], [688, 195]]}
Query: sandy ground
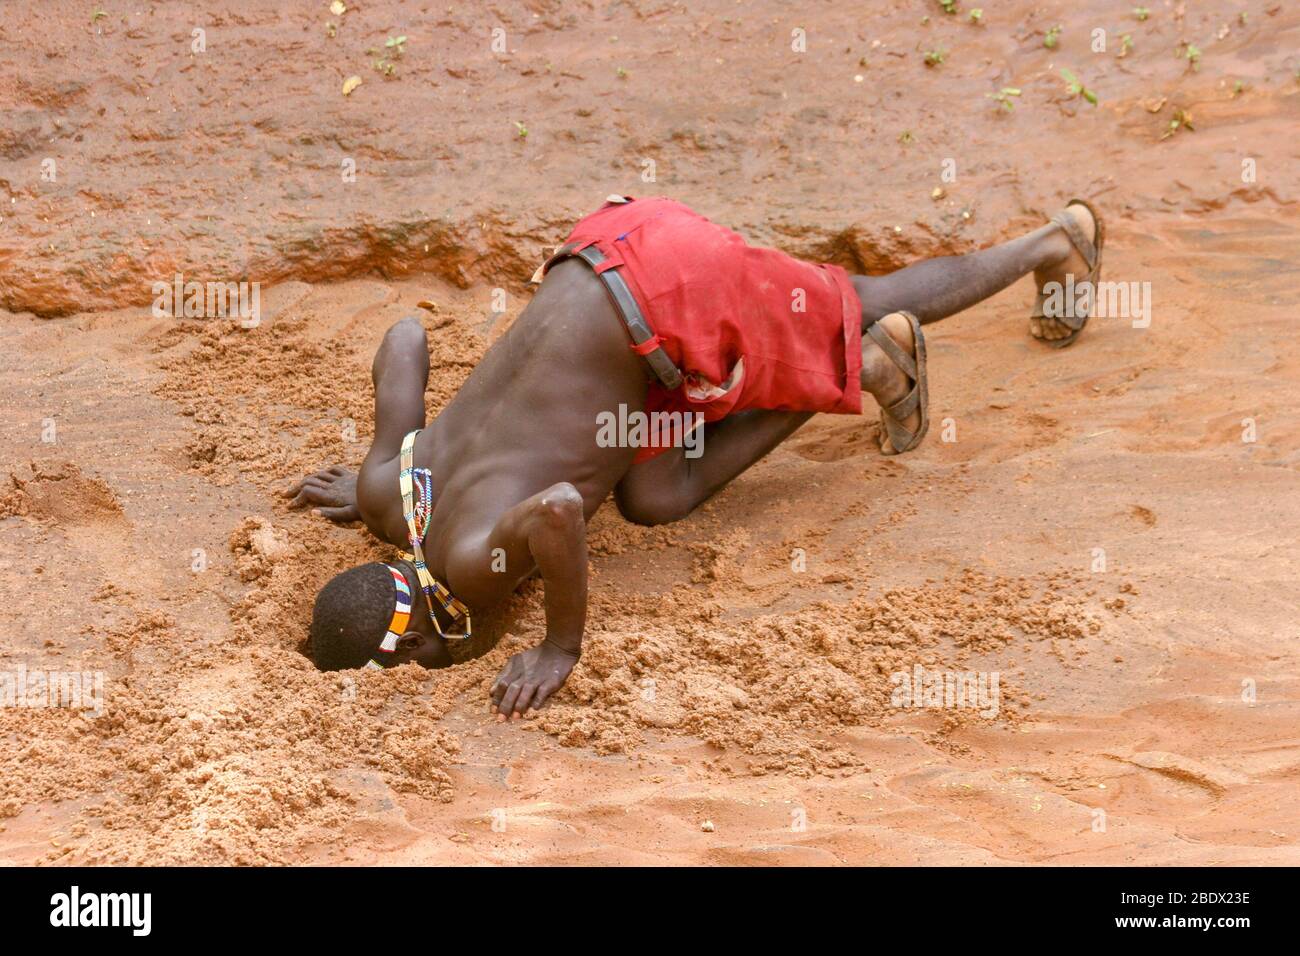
{"points": [[1150, 712]]}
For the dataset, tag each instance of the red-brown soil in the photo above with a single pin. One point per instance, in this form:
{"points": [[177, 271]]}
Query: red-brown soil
{"points": [[719, 684]]}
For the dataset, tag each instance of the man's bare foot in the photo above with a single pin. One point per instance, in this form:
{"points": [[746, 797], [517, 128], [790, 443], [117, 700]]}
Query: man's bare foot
{"points": [[886, 382], [1073, 264]]}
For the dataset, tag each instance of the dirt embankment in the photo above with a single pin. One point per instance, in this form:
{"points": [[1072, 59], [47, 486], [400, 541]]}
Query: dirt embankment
{"points": [[128, 155]]}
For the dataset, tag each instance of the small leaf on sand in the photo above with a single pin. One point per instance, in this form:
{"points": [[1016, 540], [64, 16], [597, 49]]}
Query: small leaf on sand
{"points": [[350, 84], [337, 8]]}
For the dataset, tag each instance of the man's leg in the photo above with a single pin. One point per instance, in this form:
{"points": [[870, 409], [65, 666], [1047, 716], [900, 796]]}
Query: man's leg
{"points": [[670, 486], [937, 288]]}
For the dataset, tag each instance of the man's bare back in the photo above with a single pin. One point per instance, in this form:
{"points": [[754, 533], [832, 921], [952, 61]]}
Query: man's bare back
{"points": [[523, 422]]}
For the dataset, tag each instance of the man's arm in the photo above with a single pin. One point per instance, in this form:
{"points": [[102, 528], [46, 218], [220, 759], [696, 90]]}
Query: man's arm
{"points": [[547, 531], [400, 374]]}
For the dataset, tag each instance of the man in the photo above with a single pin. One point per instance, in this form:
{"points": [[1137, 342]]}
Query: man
{"points": [[647, 308]]}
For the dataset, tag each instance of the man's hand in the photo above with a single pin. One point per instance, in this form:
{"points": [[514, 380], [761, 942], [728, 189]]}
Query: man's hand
{"points": [[548, 531], [332, 492], [530, 677]]}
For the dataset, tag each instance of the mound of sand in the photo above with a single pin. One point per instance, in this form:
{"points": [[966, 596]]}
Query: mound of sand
{"points": [[58, 492]]}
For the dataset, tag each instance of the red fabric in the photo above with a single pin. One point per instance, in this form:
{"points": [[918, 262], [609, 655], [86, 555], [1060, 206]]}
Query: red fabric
{"points": [[713, 299]]}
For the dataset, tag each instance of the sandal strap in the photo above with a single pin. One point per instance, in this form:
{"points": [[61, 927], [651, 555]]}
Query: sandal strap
{"points": [[1076, 321], [1077, 237], [904, 406], [899, 436], [893, 350]]}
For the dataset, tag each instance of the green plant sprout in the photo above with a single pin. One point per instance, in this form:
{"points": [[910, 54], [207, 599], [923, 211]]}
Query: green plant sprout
{"points": [[1005, 97], [1182, 120], [394, 48], [1050, 39], [1077, 88]]}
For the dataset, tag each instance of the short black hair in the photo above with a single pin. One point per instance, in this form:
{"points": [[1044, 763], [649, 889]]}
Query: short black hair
{"points": [[351, 617]]}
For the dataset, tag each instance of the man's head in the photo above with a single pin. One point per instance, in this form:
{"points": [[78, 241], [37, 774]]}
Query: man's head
{"points": [[355, 611]]}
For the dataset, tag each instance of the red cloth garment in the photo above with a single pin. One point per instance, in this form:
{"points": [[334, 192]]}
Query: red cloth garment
{"points": [[749, 327]]}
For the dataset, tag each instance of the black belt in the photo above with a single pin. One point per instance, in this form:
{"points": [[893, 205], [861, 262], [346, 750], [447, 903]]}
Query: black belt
{"points": [[644, 341]]}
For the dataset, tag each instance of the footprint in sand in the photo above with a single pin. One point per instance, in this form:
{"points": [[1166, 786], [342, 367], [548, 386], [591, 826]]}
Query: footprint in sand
{"points": [[835, 442]]}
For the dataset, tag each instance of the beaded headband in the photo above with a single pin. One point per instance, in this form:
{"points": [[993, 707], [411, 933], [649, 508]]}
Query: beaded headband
{"points": [[401, 617]]}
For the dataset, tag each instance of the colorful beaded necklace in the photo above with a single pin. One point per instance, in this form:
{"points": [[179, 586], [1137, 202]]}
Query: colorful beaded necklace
{"points": [[417, 515]]}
